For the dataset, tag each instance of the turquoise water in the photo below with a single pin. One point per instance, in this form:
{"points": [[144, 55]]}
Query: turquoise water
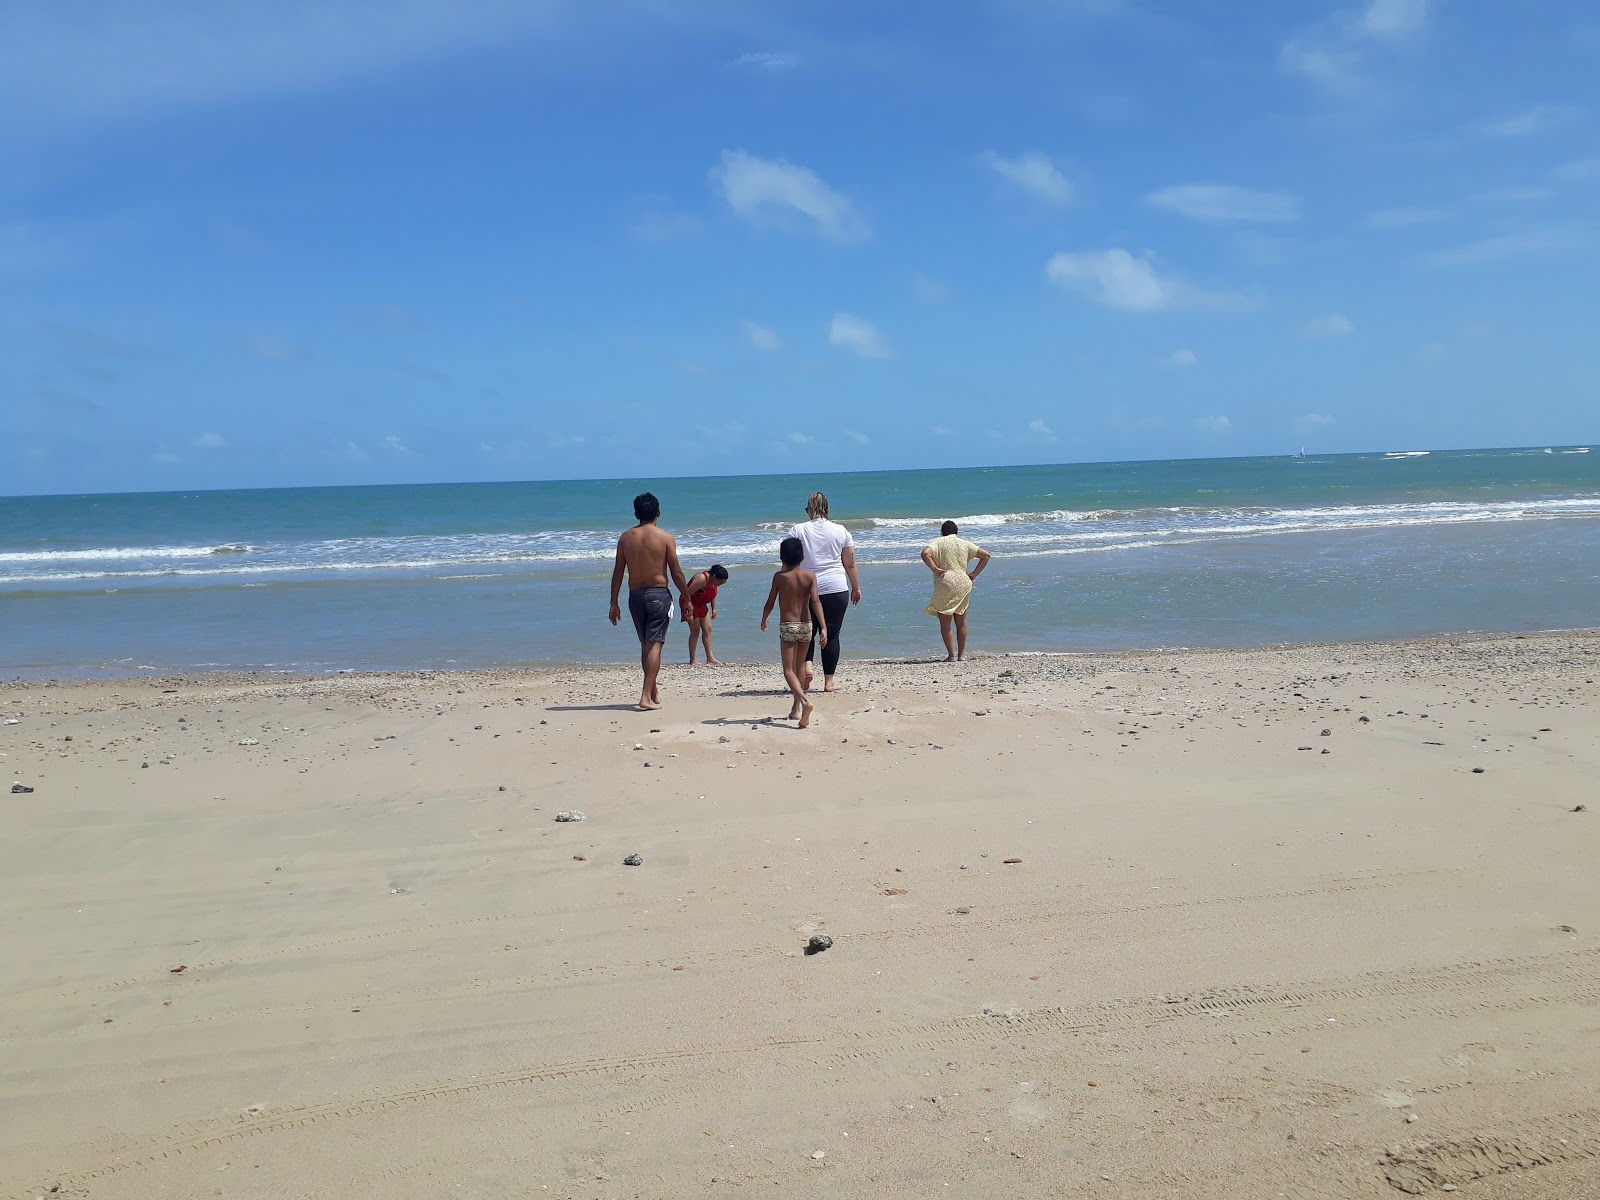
{"points": [[1215, 552]]}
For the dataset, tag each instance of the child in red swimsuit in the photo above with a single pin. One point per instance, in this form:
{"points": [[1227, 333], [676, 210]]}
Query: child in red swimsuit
{"points": [[699, 607]]}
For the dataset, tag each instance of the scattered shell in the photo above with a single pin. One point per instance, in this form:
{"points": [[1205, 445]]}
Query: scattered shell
{"points": [[1011, 860], [574, 814]]}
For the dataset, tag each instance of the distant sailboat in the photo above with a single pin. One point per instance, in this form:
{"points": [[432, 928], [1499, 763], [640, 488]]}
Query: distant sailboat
{"points": [[1300, 456]]}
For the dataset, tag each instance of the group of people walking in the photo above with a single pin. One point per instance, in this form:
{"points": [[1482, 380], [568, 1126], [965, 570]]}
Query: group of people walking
{"points": [[812, 591]]}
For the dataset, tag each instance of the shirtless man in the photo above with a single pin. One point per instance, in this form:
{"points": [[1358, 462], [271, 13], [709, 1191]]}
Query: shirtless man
{"points": [[647, 552]]}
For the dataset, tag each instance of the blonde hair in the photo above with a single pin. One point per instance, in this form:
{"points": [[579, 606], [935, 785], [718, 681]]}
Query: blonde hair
{"points": [[817, 506]]}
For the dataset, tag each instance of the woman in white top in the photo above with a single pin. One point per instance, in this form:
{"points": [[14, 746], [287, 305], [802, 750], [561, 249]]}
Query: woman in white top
{"points": [[831, 553]]}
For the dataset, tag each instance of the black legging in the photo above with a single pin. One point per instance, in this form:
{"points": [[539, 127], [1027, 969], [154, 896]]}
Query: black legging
{"points": [[834, 606]]}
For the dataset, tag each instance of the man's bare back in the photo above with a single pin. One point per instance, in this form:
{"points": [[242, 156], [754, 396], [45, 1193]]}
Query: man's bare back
{"points": [[649, 552]]}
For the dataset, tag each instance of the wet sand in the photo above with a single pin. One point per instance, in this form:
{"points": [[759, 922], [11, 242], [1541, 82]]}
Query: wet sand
{"points": [[272, 938]]}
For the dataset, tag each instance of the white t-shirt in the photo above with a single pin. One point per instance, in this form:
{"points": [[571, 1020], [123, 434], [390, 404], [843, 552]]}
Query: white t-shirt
{"points": [[825, 543]]}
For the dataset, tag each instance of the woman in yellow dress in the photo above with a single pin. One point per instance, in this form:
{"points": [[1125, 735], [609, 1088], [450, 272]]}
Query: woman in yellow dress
{"points": [[947, 557]]}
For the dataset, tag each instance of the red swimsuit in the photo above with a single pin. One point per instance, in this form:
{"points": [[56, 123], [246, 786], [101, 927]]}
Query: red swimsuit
{"points": [[701, 601]]}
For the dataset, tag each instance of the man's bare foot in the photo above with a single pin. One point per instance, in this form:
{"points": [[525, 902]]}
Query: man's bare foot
{"points": [[646, 704], [805, 715]]}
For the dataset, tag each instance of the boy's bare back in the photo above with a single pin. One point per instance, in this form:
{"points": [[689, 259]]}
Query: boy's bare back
{"points": [[650, 552], [795, 590]]}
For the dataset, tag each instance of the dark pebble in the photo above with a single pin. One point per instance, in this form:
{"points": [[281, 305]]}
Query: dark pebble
{"points": [[633, 860], [818, 943]]}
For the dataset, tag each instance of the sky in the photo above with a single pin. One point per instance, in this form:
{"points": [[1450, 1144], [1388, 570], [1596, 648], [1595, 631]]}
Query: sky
{"points": [[380, 241]]}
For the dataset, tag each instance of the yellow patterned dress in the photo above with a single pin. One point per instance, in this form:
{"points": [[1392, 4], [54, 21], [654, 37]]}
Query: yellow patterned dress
{"points": [[952, 590]]}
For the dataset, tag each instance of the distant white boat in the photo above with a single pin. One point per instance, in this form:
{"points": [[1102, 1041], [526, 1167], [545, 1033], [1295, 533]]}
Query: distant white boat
{"points": [[1301, 456], [1407, 453]]}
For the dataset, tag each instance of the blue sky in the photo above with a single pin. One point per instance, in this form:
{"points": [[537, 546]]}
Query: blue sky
{"points": [[355, 241]]}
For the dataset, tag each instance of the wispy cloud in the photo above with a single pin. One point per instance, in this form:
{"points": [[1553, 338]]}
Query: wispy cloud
{"points": [[1521, 244], [1220, 203], [1038, 428], [1537, 119], [102, 59], [800, 439], [777, 193], [1181, 357], [862, 337], [858, 438], [394, 445], [1118, 279], [1386, 19], [767, 60], [265, 345], [761, 337], [1033, 174], [1399, 218], [1335, 54], [98, 343], [1217, 424], [1329, 325]]}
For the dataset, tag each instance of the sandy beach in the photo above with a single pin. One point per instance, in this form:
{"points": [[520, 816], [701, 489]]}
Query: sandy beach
{"points": [[1309, 922]]}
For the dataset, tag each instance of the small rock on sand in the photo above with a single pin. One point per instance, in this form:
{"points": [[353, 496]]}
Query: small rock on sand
{"points": [[818, 943], [573, 814], [18, 789], [633, 860]]}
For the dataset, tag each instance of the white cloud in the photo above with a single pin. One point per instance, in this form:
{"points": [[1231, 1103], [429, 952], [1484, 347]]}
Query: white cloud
{"points": [[1221, 203], [1213, 425], [1399, 218], [1329, 325], [393, 444], [264, 345], [1181, 357], [773, 192], [1312, 421], [1385, 19], [800, 439], [100, 60], [658, 228], [852, 333], [1335, 53], [1578, 170], [927, 289], [1118, 279], [1039, 427], [859, 439], [1032, 173], [1509, 245], [767, 60], [761, 337], [1529, 121], [210, 441]]}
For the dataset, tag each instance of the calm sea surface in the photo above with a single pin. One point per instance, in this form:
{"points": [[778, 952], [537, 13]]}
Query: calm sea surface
{"points": [[1218, 552]]}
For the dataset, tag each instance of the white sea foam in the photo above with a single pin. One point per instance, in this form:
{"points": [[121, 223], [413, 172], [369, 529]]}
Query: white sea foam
{"points": [[892, 539]]}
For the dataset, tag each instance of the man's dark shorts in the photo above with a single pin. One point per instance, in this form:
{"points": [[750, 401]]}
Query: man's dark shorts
{"points": [[651, 609]]}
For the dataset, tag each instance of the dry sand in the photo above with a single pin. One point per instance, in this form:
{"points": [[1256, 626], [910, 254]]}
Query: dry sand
{"points": [[325, 939]]}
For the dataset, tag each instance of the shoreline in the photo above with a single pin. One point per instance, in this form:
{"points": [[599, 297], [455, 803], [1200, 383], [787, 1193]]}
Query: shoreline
{"points": [[239, 676]]}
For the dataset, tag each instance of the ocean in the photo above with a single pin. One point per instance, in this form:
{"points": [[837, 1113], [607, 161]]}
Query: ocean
{"points": [[1095, 556]]}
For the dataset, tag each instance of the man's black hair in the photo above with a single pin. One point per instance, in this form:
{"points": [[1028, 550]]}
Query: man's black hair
{"points": [[792, 552], [646, 507]]}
